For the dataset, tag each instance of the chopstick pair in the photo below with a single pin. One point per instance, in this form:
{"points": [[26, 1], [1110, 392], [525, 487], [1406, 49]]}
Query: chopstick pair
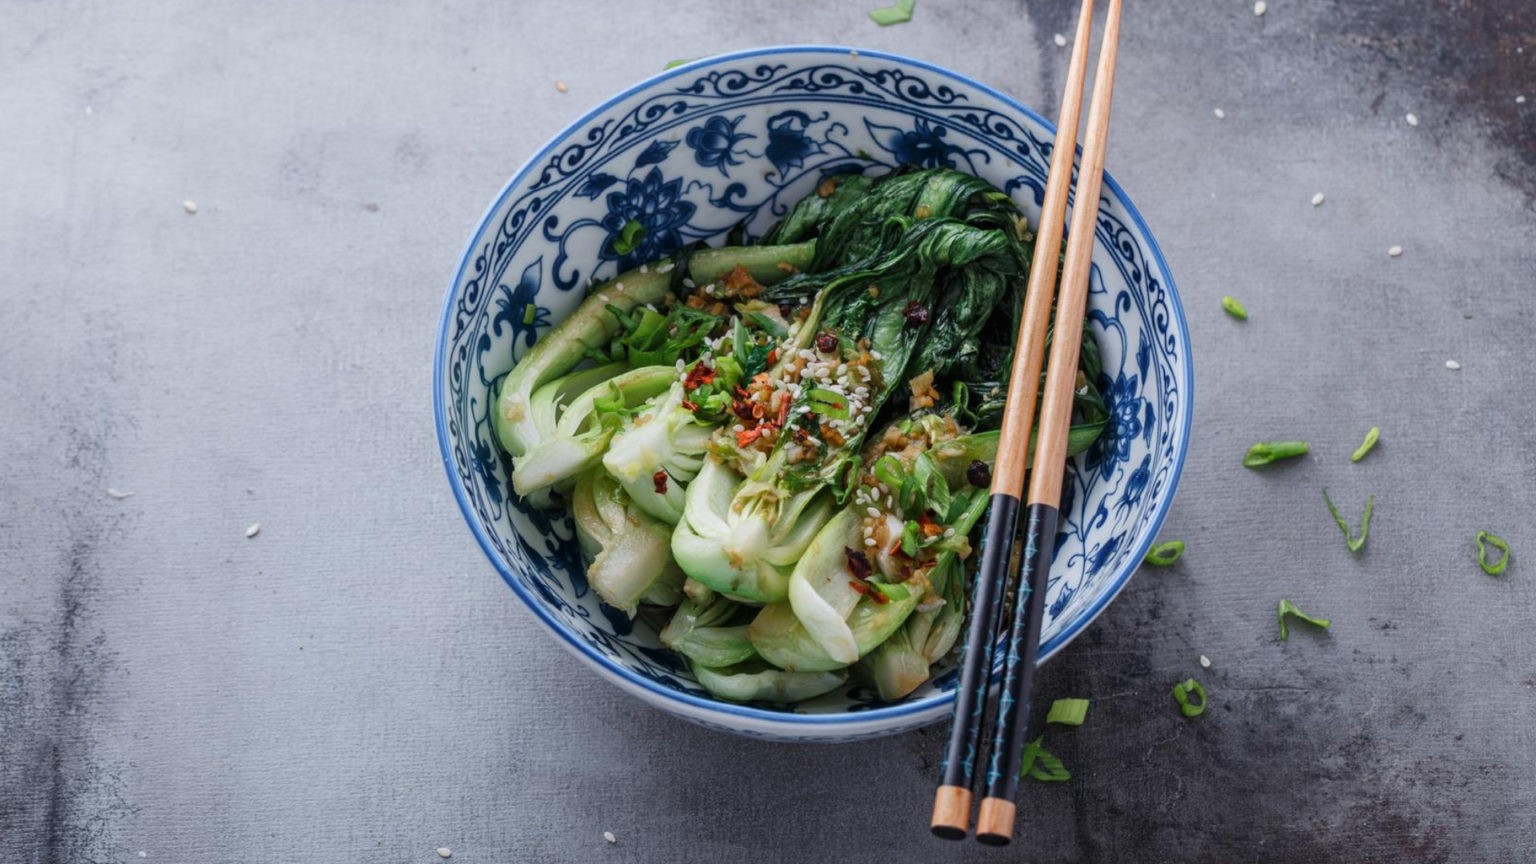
{"points": [[952, 802]]}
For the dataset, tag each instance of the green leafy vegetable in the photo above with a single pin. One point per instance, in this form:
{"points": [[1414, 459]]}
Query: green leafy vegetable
{"points": [[1266, 452], [1164, 554], [1354, 543], [1040, 764], [1068, 712], [1289, 608], [1182, 691], [899, 13], [1365, 447], [1234, 308], [1484, 540]]}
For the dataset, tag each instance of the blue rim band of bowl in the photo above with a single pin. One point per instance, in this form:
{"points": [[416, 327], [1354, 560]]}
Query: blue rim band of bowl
{"points": [[784, 718]]}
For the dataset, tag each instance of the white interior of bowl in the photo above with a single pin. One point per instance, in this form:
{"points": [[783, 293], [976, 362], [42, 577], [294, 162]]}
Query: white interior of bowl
{"points": [[740, 138]]}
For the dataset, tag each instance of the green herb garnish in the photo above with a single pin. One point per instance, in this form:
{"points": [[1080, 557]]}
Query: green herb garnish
{"points": [[1234, 308], [1484, 539], [1289, 608], [1040, 764], [1354, 543], [1266, 452], [1164, 554], [1365, 447], [1181, 692], [1068, 712], [629, 237], [899, 13], [530, 312]]}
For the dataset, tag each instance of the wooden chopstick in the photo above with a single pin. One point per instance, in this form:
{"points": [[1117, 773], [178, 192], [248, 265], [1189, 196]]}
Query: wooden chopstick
{"points": [[952, 801], [994, 823]]}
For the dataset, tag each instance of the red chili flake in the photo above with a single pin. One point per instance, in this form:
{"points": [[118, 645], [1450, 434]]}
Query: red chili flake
{"points": [[930, 527], [858, 562], [745, 437], [826, 343], [743, 409], [659, 480], [869, 591], [916, 313], [689, 405], [773, 356], [698, 376], [783, 408]]}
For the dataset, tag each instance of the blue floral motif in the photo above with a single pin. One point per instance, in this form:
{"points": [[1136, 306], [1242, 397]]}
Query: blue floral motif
{"points": [[594, 185], [714, 143], [923, 145], [788, 143], [656, 153], [657, 204], [1123, 399]]}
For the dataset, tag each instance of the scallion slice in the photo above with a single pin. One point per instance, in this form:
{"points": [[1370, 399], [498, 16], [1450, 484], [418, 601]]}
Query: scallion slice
{"points": [[898, 13], [1289, 608], [1164, 554], [1365, 447], [1068, 712], [1040, 764], [1354, 543], [1181, 692], [1484, 540], [1266, 452], [1234, 308]]}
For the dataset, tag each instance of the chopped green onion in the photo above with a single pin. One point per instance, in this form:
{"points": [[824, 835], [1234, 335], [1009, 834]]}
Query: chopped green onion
{"points": [[892, 590], [529, 311], [1164, 554], [1266, 452], [629, 237], [1068, 712], [1483, 540], [1354, 543], [1289, 608], [1234, 308], [1181, 692], [1042, 765], [909, 534], [673, 64], [899, 13], [1364, 448], [767, 325]]}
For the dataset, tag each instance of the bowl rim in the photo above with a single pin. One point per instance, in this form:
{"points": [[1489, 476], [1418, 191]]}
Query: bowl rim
{"points": [[886, 716]]}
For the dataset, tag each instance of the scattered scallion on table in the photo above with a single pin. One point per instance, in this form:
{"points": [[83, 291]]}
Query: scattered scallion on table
{"points": [[1365, 447], [1068, 712], [1182, 691], [1266, 452], [1289, 608], [1354, 543], [1164, 554], [899, 12], [1234, 308], [1484, 540], [673, 64], [1040, 764]]}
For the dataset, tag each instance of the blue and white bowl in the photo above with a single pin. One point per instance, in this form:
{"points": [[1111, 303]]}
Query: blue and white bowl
{"points": [[694, 151]]}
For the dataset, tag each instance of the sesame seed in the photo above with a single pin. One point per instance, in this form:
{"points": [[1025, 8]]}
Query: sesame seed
{"points": [[949, 532], [868, 531], [689, 283], [1220, 114], [560, 85], [1260, 7], [666, 267], [1412, 118], [1205, 662], [253, 530], [1395, 251], [1061, 41], [608, 835], [117, 493], [444, 852], [1452, 365], [738, 428], [603, 297], [189, 206], [869, 541], [644, 268], [1317, 199], [1519, 100]]}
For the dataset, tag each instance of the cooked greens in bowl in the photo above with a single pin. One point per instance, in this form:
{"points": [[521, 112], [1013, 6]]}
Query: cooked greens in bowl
{"points": [[717, 505]]}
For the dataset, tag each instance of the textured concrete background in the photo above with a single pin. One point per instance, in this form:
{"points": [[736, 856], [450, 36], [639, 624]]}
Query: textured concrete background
{"points": [[355, 684]]}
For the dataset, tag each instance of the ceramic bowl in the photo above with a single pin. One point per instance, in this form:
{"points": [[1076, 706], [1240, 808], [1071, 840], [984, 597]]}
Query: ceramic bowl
{"points": [[740, 137]]}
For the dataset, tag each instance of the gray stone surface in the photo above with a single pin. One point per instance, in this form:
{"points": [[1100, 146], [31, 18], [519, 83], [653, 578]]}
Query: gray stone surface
{"points": [[355, 684]]}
